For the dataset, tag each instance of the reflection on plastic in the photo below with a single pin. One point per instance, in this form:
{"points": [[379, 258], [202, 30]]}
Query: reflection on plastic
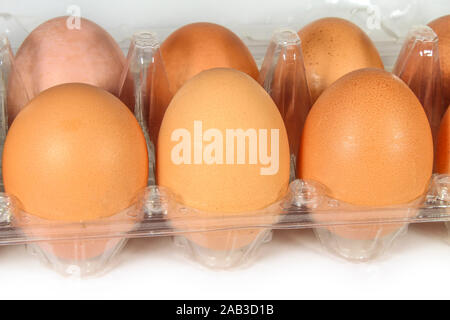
{"points": [[419, 67], [283, 77], [225, 259], [6, 61], [78, 266], [5, 211], [358, 250], [67, 247], [91, 244], [145, 88], [6, 70]]}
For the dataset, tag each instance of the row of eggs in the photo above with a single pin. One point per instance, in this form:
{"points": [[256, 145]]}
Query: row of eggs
{"points": [[76, 152]]}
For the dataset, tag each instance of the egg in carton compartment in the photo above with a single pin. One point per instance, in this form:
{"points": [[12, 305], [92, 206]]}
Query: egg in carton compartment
{"points": [[72, 248]]}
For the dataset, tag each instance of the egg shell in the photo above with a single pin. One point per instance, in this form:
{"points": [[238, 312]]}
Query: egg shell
{"points": [[201, 46], [54, 54], [221, 99], [368, 140], [441, 27], [75, 153], [333, 47], [190, 50], [443, 146]]}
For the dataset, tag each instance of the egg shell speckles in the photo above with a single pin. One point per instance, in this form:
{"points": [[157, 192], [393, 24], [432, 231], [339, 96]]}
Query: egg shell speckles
{"points": [[333, 47]]}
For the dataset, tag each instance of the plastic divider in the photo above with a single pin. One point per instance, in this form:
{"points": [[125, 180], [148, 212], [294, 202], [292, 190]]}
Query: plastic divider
{"points": [[10, 79], [144, 88], [418, 65], [283, 76]]}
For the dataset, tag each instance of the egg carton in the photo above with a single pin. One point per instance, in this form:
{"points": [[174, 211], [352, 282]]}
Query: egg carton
{"points": [[232, 240]]}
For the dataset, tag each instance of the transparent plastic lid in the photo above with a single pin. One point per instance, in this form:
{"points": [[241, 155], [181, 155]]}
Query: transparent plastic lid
{"points": [[357, 233]]}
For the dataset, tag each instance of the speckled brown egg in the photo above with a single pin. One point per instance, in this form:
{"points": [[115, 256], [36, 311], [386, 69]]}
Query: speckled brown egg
{"points": [[368, 140], [333, 47]]}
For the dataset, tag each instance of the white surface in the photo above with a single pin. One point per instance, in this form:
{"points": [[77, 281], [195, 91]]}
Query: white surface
{"points": [[292, 266]]}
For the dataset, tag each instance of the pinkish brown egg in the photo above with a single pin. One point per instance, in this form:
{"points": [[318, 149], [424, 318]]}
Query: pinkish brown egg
{"points": [[58, 52]]}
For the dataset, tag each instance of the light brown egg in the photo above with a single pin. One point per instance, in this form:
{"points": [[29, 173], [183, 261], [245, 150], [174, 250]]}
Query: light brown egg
{"points": [[333, 47], [443, 146], [441, 27], [203, 167], [368, 140], [54, 54], [192, 49], [75, 153]]}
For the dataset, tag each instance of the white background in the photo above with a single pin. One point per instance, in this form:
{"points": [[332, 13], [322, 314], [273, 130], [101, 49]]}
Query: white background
{"points": [[293, 265], [257, 18]]}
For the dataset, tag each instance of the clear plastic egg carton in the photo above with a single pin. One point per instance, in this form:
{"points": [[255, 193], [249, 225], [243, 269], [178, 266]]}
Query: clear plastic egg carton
{"points": [[232, 240]]}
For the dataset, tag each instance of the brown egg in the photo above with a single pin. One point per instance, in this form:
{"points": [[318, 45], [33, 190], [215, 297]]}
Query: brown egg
{"points": [[441, 27], [201, 46], [204, 160], [75, 153], [443, 146], [192, 49], [333, 47], [54, 54], [368, 140]]}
